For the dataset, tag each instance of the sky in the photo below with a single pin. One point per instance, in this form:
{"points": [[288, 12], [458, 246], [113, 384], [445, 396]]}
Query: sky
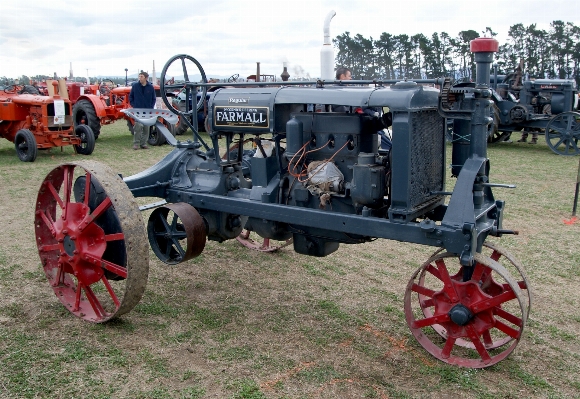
{"points": [[228, 37]]}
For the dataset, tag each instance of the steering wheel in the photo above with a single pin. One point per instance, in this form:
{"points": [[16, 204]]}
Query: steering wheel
{"points": [[106, 86], [11, 89], [168, 90], [233, 78]]}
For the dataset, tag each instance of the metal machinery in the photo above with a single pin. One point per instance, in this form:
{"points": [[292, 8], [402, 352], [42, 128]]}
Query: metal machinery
{"points": [[318, 178], [34, 121], [542, 106], [98, 105]]}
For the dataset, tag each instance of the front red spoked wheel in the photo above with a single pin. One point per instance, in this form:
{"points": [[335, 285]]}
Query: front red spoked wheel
{"points": [[465, 311], [91, 241], [489, 285]]}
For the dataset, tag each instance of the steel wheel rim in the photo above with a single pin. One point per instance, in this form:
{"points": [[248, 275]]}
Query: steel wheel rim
{"points": [[78, 247], [488, 313]]}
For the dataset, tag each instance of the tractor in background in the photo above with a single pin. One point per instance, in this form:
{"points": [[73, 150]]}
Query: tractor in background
{"points": [[34, 121], [540, 106]]}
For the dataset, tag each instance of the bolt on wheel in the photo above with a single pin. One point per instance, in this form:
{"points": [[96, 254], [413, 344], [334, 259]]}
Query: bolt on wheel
{"points": [[91, 241], [465, 311]]}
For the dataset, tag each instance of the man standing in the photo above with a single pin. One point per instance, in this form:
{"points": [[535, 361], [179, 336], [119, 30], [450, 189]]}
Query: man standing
{"points": [[142, 96]]}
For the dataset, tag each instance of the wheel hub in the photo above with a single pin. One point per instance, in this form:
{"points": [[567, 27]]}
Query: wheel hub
{"points": [[69, 245], [461, 315], [81, 244]]}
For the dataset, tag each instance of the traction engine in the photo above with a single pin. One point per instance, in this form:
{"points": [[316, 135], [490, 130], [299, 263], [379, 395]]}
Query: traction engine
{"points": [[274, 167]]}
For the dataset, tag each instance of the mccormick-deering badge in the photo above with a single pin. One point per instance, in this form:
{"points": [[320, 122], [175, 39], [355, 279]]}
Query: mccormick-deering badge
{"points": [[257, 117]]}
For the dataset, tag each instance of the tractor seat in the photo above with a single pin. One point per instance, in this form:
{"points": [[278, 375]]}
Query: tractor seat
{"points": [[148, 117]]}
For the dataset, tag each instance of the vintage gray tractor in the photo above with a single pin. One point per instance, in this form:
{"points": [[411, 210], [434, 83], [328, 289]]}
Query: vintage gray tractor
{"points": [[542, 106], [318, 178]]}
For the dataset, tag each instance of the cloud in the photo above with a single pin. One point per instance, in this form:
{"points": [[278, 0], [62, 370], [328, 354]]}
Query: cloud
{"points": [[227, 37]]}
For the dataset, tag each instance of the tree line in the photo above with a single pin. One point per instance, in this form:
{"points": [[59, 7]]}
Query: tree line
{"points": [[552, 54]]}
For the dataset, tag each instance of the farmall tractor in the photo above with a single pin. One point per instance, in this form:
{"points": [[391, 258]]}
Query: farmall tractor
{"points": [[34, 121], [318, 178]]}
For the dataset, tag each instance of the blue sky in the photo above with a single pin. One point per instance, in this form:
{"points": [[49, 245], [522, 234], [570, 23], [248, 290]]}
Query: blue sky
{"points": [[229, 37]]}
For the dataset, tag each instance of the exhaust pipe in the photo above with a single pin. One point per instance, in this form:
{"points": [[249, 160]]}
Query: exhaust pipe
{"points": [[327, 52]]}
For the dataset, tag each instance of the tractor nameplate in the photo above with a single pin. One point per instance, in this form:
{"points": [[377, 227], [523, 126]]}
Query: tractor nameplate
{"points": [[252, 117]]}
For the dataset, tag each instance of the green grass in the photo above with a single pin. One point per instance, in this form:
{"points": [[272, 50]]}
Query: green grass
{"points": [[235, 323]]}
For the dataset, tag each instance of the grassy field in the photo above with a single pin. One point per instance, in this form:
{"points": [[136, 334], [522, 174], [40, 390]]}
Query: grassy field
{"points": [[234, 323]]}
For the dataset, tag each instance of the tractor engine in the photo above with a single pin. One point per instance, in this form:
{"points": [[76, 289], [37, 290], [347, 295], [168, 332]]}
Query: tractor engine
{"points": [[327, 161]]}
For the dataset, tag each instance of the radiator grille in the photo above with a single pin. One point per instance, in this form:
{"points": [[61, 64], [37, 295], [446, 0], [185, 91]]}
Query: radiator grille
{"points": [[427, 150]]}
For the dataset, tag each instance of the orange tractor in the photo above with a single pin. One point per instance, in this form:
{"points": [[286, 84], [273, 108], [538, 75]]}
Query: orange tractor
{"points": [[34, 121]]}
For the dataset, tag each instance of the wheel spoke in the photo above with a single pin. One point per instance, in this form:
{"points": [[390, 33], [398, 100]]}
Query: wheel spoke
{"points": [[423, 290], [178, 248], [87, 188], [478, 272], [446, 279], [67, 189], [49, 248], [94, 301], [487, 340], [429, 303], [55, 194], [561, 139], [434, 271], [512, 332], [508, 316], [48, 222], [111, 292], [478, 345], [446, 352], [115, 237], [99, 210], [185, 76], [429, 321], [77, 297], [490, 303], [117, 269]]}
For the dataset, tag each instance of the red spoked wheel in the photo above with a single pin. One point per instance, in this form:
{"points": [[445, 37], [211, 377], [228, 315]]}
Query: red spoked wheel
{"points": [[91, 241], [465, 311], [489, 286], [266, 246]]}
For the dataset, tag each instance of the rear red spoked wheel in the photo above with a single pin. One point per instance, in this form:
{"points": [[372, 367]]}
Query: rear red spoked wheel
{"points": [[91, 241], [489, 285], [465, 311]]}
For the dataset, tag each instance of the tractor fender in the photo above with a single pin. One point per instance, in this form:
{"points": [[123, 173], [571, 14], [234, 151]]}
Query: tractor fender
{"points": [[98, 104]]}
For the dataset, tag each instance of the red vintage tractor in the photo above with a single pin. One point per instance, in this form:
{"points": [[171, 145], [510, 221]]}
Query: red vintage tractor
{"points": [[34, 121]]}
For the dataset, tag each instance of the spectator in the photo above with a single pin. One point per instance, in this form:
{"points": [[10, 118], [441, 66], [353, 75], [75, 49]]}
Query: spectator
{"points": [[142, 95], [343, 73]]}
